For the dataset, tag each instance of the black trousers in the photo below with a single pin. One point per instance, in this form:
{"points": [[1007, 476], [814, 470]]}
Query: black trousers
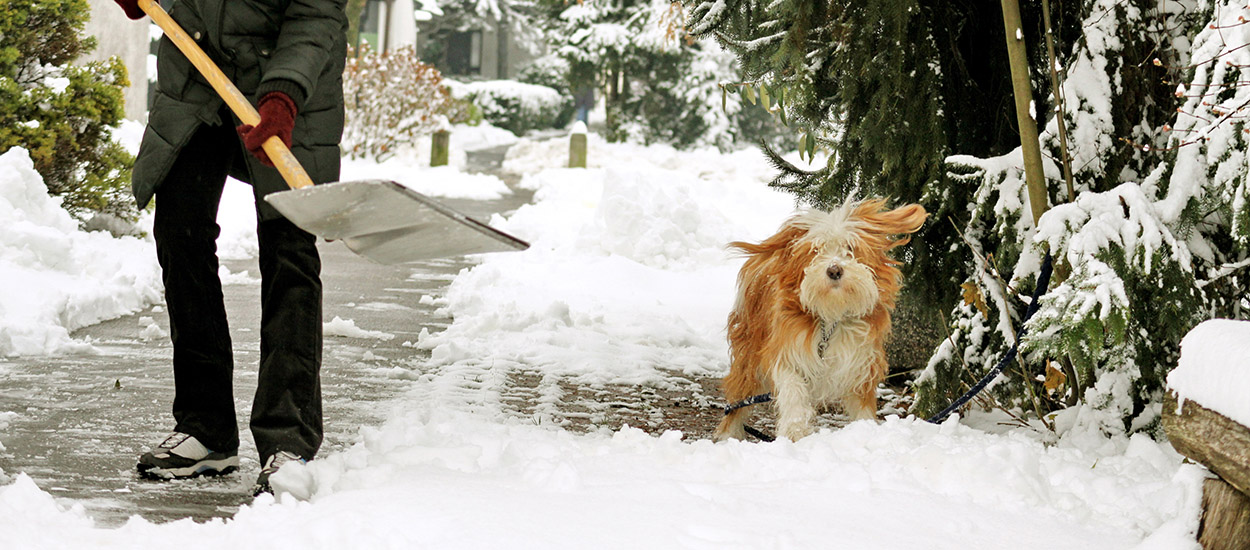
{"points": [[286, 411]]}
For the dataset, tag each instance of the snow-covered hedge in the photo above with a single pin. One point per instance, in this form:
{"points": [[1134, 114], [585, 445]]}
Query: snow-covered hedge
{"points": [[519, 107], [60, 111]]}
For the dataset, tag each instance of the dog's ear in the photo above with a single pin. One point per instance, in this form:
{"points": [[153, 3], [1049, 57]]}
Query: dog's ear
{"points": [[903, 220]]}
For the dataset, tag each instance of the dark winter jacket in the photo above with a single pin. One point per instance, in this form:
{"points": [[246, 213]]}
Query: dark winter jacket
{"points": [[293, 46]]}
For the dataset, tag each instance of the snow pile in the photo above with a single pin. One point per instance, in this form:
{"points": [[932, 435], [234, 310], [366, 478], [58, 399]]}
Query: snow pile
{"points": [[347, 328], [531, 97], [627, 274], [481, 136], [515, 105], [59, 278], [236, 215], [955, 485], [1214, 369]]}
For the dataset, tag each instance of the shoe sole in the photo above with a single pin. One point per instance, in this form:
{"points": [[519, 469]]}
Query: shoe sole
{"points": [[206, 468]]}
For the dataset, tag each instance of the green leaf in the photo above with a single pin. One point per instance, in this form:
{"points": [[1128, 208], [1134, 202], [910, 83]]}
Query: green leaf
{"points": [[750, 92], [802, 146], [764, 99]]}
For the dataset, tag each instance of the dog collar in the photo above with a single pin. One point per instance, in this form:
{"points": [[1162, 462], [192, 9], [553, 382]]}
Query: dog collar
{"points": [[826, 332]]}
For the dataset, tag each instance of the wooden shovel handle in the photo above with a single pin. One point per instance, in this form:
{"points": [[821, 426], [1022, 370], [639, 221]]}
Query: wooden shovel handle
{"points": [[281, 157]]}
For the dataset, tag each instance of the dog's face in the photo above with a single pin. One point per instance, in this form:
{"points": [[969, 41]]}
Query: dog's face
{"points": [[836, 282], [847, 272]]}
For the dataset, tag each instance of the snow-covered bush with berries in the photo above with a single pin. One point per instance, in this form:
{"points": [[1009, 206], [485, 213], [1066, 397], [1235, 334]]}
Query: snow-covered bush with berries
{"points": [[392, 99]]}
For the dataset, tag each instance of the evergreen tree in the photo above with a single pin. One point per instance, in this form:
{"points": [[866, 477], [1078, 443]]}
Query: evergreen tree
{"points": [[658, 84], [60, 112]]}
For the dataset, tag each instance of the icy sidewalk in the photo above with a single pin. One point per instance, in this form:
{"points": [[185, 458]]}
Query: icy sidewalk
{"points": [[82, 419]]}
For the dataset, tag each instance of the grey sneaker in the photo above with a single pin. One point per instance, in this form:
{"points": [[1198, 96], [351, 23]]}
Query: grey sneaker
{"points": [[272, 465], [182, 456]]}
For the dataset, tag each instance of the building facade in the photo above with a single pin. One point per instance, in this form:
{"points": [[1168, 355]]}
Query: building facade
{"points": [[117, 35]]}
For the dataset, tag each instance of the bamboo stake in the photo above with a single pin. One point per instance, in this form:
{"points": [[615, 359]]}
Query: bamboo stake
{"points": [[1033, 174]]}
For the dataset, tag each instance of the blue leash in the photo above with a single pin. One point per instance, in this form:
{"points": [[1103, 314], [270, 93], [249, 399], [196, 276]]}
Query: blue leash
{"points": [[1043, 283]]}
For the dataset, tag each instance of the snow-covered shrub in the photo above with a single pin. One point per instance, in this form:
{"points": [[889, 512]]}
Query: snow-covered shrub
{"points": [[63, 114], [519, 107], [392, 99], [549, 70], [1149, 247]]}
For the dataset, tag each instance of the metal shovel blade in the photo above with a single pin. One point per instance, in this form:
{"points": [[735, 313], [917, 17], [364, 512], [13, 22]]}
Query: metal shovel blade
{"points": [[389, 223]]}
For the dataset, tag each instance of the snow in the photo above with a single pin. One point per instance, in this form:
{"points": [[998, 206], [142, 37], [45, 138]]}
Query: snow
{"points": [[57, 277], [347, 328], [1214, 369], [628, 279]]}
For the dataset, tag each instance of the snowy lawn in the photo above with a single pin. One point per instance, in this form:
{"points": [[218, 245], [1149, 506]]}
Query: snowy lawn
{"points": [[627, 279]]}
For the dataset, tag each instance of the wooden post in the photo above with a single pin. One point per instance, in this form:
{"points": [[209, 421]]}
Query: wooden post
{"points": [[1017, 55], [440, 148], [577, 146]]}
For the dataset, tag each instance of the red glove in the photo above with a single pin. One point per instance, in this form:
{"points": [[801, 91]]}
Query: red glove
{"points": [[132, 8], [277, 118]]}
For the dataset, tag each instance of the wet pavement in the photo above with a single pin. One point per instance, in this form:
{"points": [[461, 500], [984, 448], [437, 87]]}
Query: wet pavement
{"points": [[82, 420]]}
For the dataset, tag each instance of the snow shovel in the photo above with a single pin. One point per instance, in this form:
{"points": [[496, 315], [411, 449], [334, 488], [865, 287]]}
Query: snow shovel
{"points": [[380, 220]]}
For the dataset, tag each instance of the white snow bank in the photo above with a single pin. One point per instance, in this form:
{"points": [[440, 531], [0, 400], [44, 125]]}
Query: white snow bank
{"points": [[934, 486], [57, 277], [467, 483], [627, 275], [236, 215], [1214, 369]]}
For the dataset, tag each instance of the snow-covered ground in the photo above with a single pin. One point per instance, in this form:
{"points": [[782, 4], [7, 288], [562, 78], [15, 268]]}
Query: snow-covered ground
{"points": [[627, 278]]}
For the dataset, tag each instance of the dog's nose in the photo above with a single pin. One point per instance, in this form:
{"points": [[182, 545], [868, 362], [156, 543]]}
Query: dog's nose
{"points": [[834, 272]]}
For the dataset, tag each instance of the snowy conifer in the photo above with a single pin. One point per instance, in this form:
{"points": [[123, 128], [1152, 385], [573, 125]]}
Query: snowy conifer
{"points": [[60, 112]]}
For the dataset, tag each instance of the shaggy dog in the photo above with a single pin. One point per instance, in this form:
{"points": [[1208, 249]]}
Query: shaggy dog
{"points": [[813, 312]]}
